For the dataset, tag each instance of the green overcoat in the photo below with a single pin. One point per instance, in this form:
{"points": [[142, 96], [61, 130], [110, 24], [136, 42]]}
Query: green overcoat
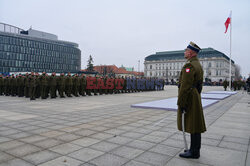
{"points": [[189, 97]]}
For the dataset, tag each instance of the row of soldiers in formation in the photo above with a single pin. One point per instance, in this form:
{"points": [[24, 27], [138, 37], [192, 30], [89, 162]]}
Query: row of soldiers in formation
{"points": [[237, 84], [33, 85]]}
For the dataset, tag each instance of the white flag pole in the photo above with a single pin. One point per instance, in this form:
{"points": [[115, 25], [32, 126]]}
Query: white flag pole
{"points": [[230, 70]]}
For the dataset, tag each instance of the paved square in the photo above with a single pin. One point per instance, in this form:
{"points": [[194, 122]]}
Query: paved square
{"points": [[106, 131]]}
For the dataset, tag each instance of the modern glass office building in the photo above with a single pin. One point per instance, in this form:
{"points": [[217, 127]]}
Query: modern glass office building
{"points": [[32, 50]]}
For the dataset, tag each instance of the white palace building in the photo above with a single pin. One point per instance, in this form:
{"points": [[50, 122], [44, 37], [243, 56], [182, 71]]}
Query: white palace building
{"points": [[168, 65]]}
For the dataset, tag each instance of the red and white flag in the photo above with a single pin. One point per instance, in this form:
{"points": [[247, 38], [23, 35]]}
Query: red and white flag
{"points": [[228, 21]]}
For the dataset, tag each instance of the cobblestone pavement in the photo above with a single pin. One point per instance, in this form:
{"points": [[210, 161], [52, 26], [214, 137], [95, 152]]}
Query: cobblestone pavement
{"points": [[106, 131]]}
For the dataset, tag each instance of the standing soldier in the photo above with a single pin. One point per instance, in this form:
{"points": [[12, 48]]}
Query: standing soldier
{"points": [[38, 85], [248, 83], [7, 86], [13, 85], [32, 86], [68, 85], [100, 88], [26, 84], [83, 84], [1, 85], [113, 81], [18, 84], [239, 84], [105, 84], [52, 85], [95, 83], [20, 81], [116, 84], [163, 84], [22, 85], [44, 84], [189, 101], [61, 85], [76, 85], [88, 91], [225, 84], [235, 85], [136, 84]]}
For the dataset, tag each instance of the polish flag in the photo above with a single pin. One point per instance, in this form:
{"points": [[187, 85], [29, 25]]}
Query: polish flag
{"points": [[228, 21]]}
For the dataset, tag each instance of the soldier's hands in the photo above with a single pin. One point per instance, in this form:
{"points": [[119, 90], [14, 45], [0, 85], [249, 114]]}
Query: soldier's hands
{"points": [[183, 110]]}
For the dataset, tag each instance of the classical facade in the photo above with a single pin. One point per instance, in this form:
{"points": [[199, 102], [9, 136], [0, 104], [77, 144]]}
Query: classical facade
{"points": [[32, 50], [168, 65]]}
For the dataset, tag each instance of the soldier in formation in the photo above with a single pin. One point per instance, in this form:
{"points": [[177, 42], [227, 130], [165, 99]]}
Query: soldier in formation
{"points": [[33, 85]]}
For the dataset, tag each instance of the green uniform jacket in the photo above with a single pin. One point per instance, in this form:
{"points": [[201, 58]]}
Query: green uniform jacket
{"points": [[83, 82], [225, 84], [68, 81], [52, 81], [1, 85], [61, 81], [190, 99], [32, 80]]}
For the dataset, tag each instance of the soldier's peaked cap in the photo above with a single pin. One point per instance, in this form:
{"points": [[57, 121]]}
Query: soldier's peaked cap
{"points": [[194, 47]]}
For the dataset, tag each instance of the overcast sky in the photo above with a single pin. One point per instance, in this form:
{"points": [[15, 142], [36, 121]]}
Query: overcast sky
{"points": [[122, 32]]}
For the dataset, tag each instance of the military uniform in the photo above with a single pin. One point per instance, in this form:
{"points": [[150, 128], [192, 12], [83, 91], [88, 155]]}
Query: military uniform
{"points": [[101, 90], [95, 83], [76, 85], [44, 85], [52, 85], [83, 84], [7, 86], [105, 84], [13, 85], [20, 81], [248, 84], [32, 86], [61, 85], [68, 85], [189, 97], [189, 100], [1, 85], [113, 81], [225, 84], [88, 91], [38, 86], [235, 85], [124, 87], [26, 84]]}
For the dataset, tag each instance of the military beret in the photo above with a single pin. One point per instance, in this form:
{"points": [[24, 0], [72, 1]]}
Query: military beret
{"points": [[194, 47]]}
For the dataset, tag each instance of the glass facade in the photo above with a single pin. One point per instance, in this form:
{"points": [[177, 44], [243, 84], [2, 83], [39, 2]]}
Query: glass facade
{"points": [[20, 53]]}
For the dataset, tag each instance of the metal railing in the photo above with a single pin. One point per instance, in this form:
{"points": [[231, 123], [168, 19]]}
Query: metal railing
{"points": [[10, 28]]}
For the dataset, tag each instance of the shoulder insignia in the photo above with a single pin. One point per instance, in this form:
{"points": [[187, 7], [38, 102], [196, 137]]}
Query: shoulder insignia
{"points": [[187, 70]]}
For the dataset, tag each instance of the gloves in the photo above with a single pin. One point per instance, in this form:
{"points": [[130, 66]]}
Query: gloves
{"points": [[183, 110]]}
